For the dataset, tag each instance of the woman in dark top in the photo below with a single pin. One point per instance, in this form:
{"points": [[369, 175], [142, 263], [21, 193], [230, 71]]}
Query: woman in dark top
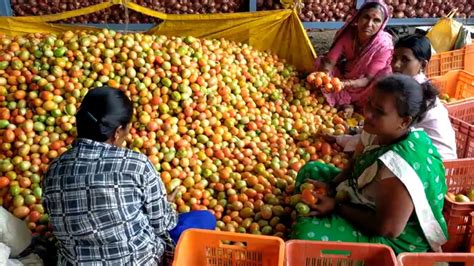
{"points": [[107, 204]]}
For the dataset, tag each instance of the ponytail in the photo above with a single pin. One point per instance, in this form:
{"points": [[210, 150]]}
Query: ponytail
{"points": [[102, 111], [430, 94]]}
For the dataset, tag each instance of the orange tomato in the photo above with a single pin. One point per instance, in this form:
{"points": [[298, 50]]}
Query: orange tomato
{"points": [[328, 88], [308, 197], [335, 81], [4, 181], [311, 77], [337, 120], [320, 74], [326, 79], [318, 81], [326, 149]]}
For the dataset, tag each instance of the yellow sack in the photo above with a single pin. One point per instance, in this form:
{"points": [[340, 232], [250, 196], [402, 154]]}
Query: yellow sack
{"points": [[444, 33], [279, 31]]}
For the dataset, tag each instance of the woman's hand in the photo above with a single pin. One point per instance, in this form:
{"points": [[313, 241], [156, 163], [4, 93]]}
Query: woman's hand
{"points": [[326, 66], [346, 83], [356, 83], [325, 206], [318, 184], [172, 196], [328, 138]]}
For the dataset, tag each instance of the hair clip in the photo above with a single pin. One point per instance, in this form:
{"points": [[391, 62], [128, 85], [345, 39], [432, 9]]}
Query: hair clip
{"points": [[92, 117]]}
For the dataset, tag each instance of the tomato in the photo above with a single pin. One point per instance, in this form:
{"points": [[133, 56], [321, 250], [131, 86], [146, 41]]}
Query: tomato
{"points": [[305, 186], [29, 200], [38, 192], [308, 197], [302, 208], [4, 181], [24, 182], [15, 190], [326, 149], [21, 212], [266, 212], [18, 201]]}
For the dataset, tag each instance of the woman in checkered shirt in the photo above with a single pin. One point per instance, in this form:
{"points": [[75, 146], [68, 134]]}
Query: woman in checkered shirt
{"points": [[107, 204]]}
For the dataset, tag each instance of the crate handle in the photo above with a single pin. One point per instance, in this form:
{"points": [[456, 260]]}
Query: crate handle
{"points": [[233, 244], [334, 253]]}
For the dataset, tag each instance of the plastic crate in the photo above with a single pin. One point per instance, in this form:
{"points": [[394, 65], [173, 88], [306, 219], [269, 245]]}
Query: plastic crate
{"points": [[462, 110], [460, 59], [435, 259], [471, 239], [458, 84], [459, 178], [316, 253], [464, 137], [214, 248]]}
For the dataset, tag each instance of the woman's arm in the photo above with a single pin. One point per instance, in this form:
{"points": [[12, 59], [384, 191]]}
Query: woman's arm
{"points": [[329, 61], [358, 83], [161, 214], [331, 186], [326, 65], [393, 209]]}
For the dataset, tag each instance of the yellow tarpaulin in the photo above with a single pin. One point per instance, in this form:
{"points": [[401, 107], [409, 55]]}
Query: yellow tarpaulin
{"points": [[279, 31]]}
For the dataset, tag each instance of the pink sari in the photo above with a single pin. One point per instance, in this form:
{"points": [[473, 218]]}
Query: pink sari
{"points": [[374, 58]]}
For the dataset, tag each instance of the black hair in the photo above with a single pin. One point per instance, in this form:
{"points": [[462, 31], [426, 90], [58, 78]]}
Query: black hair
{"points": [[412, 98], [418, 44], [102, 111], [373, 5]]}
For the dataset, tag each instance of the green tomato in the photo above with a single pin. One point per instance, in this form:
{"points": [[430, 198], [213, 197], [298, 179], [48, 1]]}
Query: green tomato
{"points": [[302, 208], [38, 192], [15, 190]]}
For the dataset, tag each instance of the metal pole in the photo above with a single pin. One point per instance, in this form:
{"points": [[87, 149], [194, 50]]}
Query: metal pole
{"points": [[253, 5], [5, 8]]}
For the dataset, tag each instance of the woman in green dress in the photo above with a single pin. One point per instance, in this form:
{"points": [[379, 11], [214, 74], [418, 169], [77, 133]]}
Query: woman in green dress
{"points": [[395, 188]]}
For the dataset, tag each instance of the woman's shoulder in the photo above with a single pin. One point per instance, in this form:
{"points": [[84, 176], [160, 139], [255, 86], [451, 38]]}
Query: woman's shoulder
{"points": [[89, 149], [386, 39], [129, 154], [416, 144]]}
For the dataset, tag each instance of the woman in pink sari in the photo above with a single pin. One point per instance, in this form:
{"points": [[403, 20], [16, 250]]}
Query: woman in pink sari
{"points": [[361, 50]]}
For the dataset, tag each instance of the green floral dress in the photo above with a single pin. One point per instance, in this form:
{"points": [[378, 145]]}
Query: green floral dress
{"points": [[417, 164]]}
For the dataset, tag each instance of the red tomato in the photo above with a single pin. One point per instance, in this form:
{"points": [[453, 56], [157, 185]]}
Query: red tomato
{"points": [[326, 149], [308, 197], [4, 181]]}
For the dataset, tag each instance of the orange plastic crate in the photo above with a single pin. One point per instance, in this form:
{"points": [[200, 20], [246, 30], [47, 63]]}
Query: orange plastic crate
{"points": [[316, 253], [462, 110], [458, 84], [471, 240], [433, 259], [211, 248], [459, 178], [464, 137], [460, 59]]}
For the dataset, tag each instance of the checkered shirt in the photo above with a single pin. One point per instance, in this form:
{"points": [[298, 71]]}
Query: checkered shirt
{"points": [[107, 206]]}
